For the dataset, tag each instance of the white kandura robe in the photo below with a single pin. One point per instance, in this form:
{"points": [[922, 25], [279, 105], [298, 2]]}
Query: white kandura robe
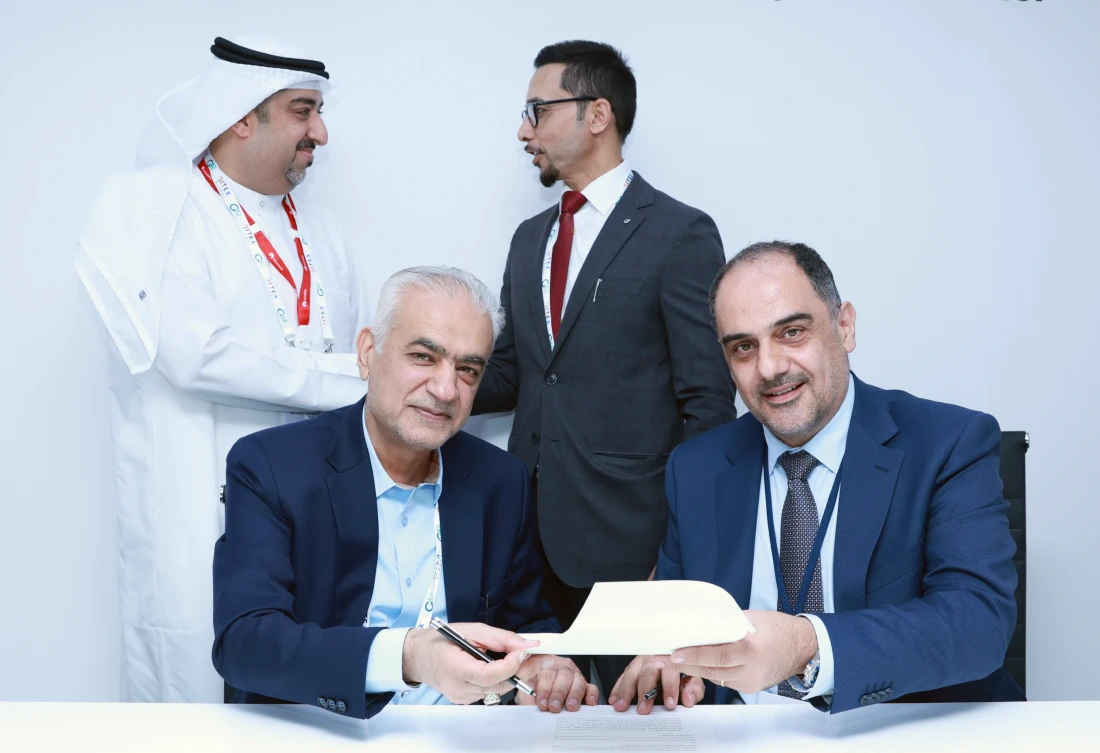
{"points": [[222, 370]]}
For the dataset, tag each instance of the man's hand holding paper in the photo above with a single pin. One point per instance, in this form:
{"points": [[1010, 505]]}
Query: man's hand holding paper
{"points": [[429, 658], [780, 648]]}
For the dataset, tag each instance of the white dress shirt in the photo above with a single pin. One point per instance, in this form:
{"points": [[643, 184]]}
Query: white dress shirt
{"points": [[828, 447], [602, 195], [403, 575]]}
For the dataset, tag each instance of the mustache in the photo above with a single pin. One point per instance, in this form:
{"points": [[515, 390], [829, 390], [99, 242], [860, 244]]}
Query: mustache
{"points": [[785, 380], [434, 407], [306, 144]]}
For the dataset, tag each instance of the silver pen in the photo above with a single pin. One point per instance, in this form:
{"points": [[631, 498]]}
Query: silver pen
{"points": [[649, 696], [453, 636], [597, 290]]}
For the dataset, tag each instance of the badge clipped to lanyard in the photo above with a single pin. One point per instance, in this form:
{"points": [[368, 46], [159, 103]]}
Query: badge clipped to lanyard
{"points": [[785, 604], [265, 256]]}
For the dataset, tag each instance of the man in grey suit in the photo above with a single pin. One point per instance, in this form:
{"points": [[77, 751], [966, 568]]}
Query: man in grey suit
{"points": [[607, 355]]}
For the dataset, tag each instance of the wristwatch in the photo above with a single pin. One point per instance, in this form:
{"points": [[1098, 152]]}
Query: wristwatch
{"points": [[804, 683]]}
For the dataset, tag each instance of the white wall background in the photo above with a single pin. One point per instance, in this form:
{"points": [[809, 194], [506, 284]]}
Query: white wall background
{"points": [[942, 156]]}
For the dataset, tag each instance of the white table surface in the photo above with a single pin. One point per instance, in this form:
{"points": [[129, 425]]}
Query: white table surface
{"points": [[201, 728]]}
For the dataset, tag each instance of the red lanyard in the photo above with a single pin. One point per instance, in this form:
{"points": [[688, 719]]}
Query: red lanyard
{"points": [[273, 255]]}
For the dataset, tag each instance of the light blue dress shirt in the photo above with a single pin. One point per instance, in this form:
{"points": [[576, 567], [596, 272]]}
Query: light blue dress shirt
{"points": [[828, 447], [403, 575]]}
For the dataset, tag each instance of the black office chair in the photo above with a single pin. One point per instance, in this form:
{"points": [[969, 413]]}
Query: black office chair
{"points": [[1014, 446]]}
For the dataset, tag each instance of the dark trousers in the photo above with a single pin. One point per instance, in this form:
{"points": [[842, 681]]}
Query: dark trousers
{"points": [[566, 602]]}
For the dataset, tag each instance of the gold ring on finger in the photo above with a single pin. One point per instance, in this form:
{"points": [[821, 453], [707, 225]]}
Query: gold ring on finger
{"points": [[722, 683]]}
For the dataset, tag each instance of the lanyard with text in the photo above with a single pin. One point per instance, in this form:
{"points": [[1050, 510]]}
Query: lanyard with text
{"points": [[433, 590], [428, 605], [263, 254], [815, 553], [548, 258]]}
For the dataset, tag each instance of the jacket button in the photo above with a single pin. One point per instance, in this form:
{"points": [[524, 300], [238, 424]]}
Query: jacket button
{"points": [[552, 379], [321, 702], [535, 438], [340, 707], [331, 705], [864, 700], [887, 693]]}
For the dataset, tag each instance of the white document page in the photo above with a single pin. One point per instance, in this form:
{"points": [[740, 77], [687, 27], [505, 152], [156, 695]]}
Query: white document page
{"points": [[649, 617], [601, 728]]}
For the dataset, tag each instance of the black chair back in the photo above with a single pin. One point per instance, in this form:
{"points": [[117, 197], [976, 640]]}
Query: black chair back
{"points": [[1014, 446]]}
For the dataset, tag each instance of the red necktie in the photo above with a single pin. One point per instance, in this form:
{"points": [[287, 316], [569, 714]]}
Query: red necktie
{"points": [[559, 263]]}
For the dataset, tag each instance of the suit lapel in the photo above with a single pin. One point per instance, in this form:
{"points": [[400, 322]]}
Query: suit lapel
{"points": [[623, 221], [531, 279], [736, 501], [869, 476], [355, 507], [461, 522]]}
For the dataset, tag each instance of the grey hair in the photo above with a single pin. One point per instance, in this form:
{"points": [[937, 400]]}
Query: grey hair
{"points": [[442, 280], [808, 260]]}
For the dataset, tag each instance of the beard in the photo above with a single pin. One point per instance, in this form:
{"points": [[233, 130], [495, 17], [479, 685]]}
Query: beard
{"points": [[407, 427], [806, 416], [295, 176], [549, 175], [809, 412]]}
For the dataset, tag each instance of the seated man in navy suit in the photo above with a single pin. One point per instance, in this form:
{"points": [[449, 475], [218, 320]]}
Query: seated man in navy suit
{"points": [[345, 534], [864, 529]]}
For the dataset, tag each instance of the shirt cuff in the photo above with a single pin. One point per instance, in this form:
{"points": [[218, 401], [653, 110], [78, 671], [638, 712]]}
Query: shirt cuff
{"points": [[384, 662], [826, 678]]}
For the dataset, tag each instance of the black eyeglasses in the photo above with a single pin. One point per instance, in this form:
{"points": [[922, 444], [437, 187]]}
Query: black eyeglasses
{"points": [[531, 109]]}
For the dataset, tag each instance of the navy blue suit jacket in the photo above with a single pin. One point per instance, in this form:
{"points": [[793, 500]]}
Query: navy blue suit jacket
{"points": [[294, 572], [922, 569]]}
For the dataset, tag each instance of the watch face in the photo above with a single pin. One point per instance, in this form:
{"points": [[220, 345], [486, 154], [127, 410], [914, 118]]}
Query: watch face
{"points": [[811, 672]]}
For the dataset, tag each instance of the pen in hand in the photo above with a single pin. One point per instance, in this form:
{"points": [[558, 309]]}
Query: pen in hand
{"points": [[452, 635], [652, 693]]}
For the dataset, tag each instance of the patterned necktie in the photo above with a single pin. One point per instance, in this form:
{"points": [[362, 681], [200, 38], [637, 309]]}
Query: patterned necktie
{"points": [[571, 202], [797, 533]]}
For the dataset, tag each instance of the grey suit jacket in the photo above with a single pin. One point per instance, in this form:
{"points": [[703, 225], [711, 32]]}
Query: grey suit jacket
{"points": [[636, 370]]}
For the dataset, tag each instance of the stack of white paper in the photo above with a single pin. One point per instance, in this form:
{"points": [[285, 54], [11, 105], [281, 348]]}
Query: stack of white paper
{"points": [[601, 728], [649, 617]]}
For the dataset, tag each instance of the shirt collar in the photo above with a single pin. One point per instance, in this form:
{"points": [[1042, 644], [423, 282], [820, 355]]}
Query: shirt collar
{"points": [[828, 444], [251, 199], [382, 481], [605, 191]]}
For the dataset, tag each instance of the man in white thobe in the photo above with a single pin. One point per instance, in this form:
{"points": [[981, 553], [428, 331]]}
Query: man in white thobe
{"points": [[231, 308]]}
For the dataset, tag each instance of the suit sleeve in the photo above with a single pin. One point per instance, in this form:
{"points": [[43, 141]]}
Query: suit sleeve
{"points": [[669, 564], [523, 609], [959, 629], [499, 388], [700, 377], [202, 354], [258, 645]]}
